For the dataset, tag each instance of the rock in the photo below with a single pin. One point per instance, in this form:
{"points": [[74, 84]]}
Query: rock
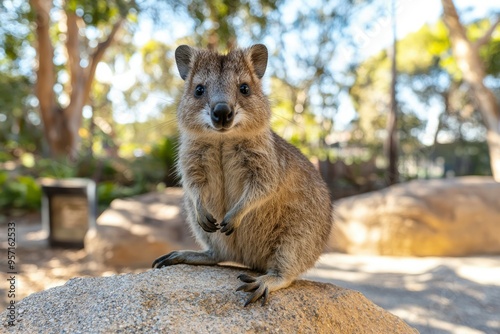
{"points": [[197, 299], [136, 230], [446, 217]]}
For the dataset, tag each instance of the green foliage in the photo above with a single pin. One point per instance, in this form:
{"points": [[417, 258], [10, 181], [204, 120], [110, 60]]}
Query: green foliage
{"points": [[419, 51], [108, 191], [96, 12], [116, 177], [226, 19], [294, 120], [52, 168], [5, 156], [430, 46], [20, 192], [463, 158], [15, 90], [491, 54]]}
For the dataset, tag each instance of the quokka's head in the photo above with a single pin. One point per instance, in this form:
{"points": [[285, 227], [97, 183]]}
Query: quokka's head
{"points": [[222, 93]]}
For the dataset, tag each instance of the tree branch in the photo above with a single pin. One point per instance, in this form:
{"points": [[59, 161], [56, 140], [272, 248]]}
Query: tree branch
{"points": [[452, 21], [470, 64], [98, 54], [487, 35]]}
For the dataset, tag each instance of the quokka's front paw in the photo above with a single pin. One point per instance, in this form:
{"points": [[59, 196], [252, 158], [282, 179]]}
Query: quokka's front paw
{"points": [[208, 223], [227, 226]]}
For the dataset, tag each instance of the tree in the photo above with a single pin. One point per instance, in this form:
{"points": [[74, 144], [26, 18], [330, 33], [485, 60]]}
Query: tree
{"points": [[62, 121], [391, 145], [293, 119], [371, 100], [467, 54], [228, 19], [428, 72], [87, 29], [305, 64]]}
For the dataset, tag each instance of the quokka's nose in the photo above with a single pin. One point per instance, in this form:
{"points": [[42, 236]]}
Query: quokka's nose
{"points": [[222, 115]]}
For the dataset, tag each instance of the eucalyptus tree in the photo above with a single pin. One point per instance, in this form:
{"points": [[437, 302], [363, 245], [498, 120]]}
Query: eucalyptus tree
{"points": [[468, 56], [429, 72], [71, 39]]}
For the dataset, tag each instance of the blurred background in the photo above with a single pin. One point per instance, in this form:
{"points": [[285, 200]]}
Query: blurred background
{"points": [[373, 92], [107, 89]]}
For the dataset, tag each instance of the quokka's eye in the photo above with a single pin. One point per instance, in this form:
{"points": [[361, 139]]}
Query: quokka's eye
{"points": [[199, 90], [244, 89]]}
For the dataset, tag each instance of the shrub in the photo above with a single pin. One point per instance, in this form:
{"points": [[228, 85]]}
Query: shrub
{"points": [[19, 192]]}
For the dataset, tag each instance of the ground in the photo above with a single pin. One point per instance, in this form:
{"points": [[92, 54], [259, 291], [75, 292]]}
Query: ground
{"points": [[435, 295]]}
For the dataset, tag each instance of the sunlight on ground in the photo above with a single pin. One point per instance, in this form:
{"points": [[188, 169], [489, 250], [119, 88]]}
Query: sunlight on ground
{"points": [[482, 270], [436, 295], [36, 235], [411, 315], [480, 275]]}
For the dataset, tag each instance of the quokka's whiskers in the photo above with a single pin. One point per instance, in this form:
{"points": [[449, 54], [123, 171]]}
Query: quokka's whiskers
{"points": [[164, 124]]}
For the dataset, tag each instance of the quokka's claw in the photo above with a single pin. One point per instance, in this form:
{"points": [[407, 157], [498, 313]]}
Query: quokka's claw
{"points": [[264, 297], [248, 287], [208, 223], [164, 260], [252, 284], [262, 291], [261, 286], [246, 278], [226, 227]]}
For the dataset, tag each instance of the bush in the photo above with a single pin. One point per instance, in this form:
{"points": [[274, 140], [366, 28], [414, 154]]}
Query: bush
{"points": [[116, 177], [20, 192]]}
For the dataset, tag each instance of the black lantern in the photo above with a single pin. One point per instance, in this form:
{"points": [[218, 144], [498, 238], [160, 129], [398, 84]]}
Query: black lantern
{"points": [[68, 210]]}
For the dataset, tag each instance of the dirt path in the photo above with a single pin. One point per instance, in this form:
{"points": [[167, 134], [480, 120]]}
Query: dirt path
{"points": [[435, 295]]}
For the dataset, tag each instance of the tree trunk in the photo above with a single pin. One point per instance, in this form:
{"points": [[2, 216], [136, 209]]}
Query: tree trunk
{"points": [[61, 125], [469, 62], [392, 142]]}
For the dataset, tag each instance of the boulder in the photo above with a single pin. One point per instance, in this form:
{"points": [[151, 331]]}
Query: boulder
{"points": [[136, 230], [196, 299], [445, 217]]}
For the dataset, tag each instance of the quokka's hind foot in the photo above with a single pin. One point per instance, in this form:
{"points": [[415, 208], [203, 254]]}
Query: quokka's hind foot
{"points": [[261, 286]]}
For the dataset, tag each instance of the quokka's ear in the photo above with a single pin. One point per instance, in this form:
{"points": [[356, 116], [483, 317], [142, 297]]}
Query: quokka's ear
{"points": [[183, 56], [258, 55]]}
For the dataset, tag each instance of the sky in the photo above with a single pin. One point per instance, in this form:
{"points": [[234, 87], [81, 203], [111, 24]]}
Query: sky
{"points": [[411, 15], [372, 33]]}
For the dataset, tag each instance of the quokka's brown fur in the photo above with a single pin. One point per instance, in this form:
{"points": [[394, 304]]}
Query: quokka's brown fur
{"points": [[250, 196]]}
